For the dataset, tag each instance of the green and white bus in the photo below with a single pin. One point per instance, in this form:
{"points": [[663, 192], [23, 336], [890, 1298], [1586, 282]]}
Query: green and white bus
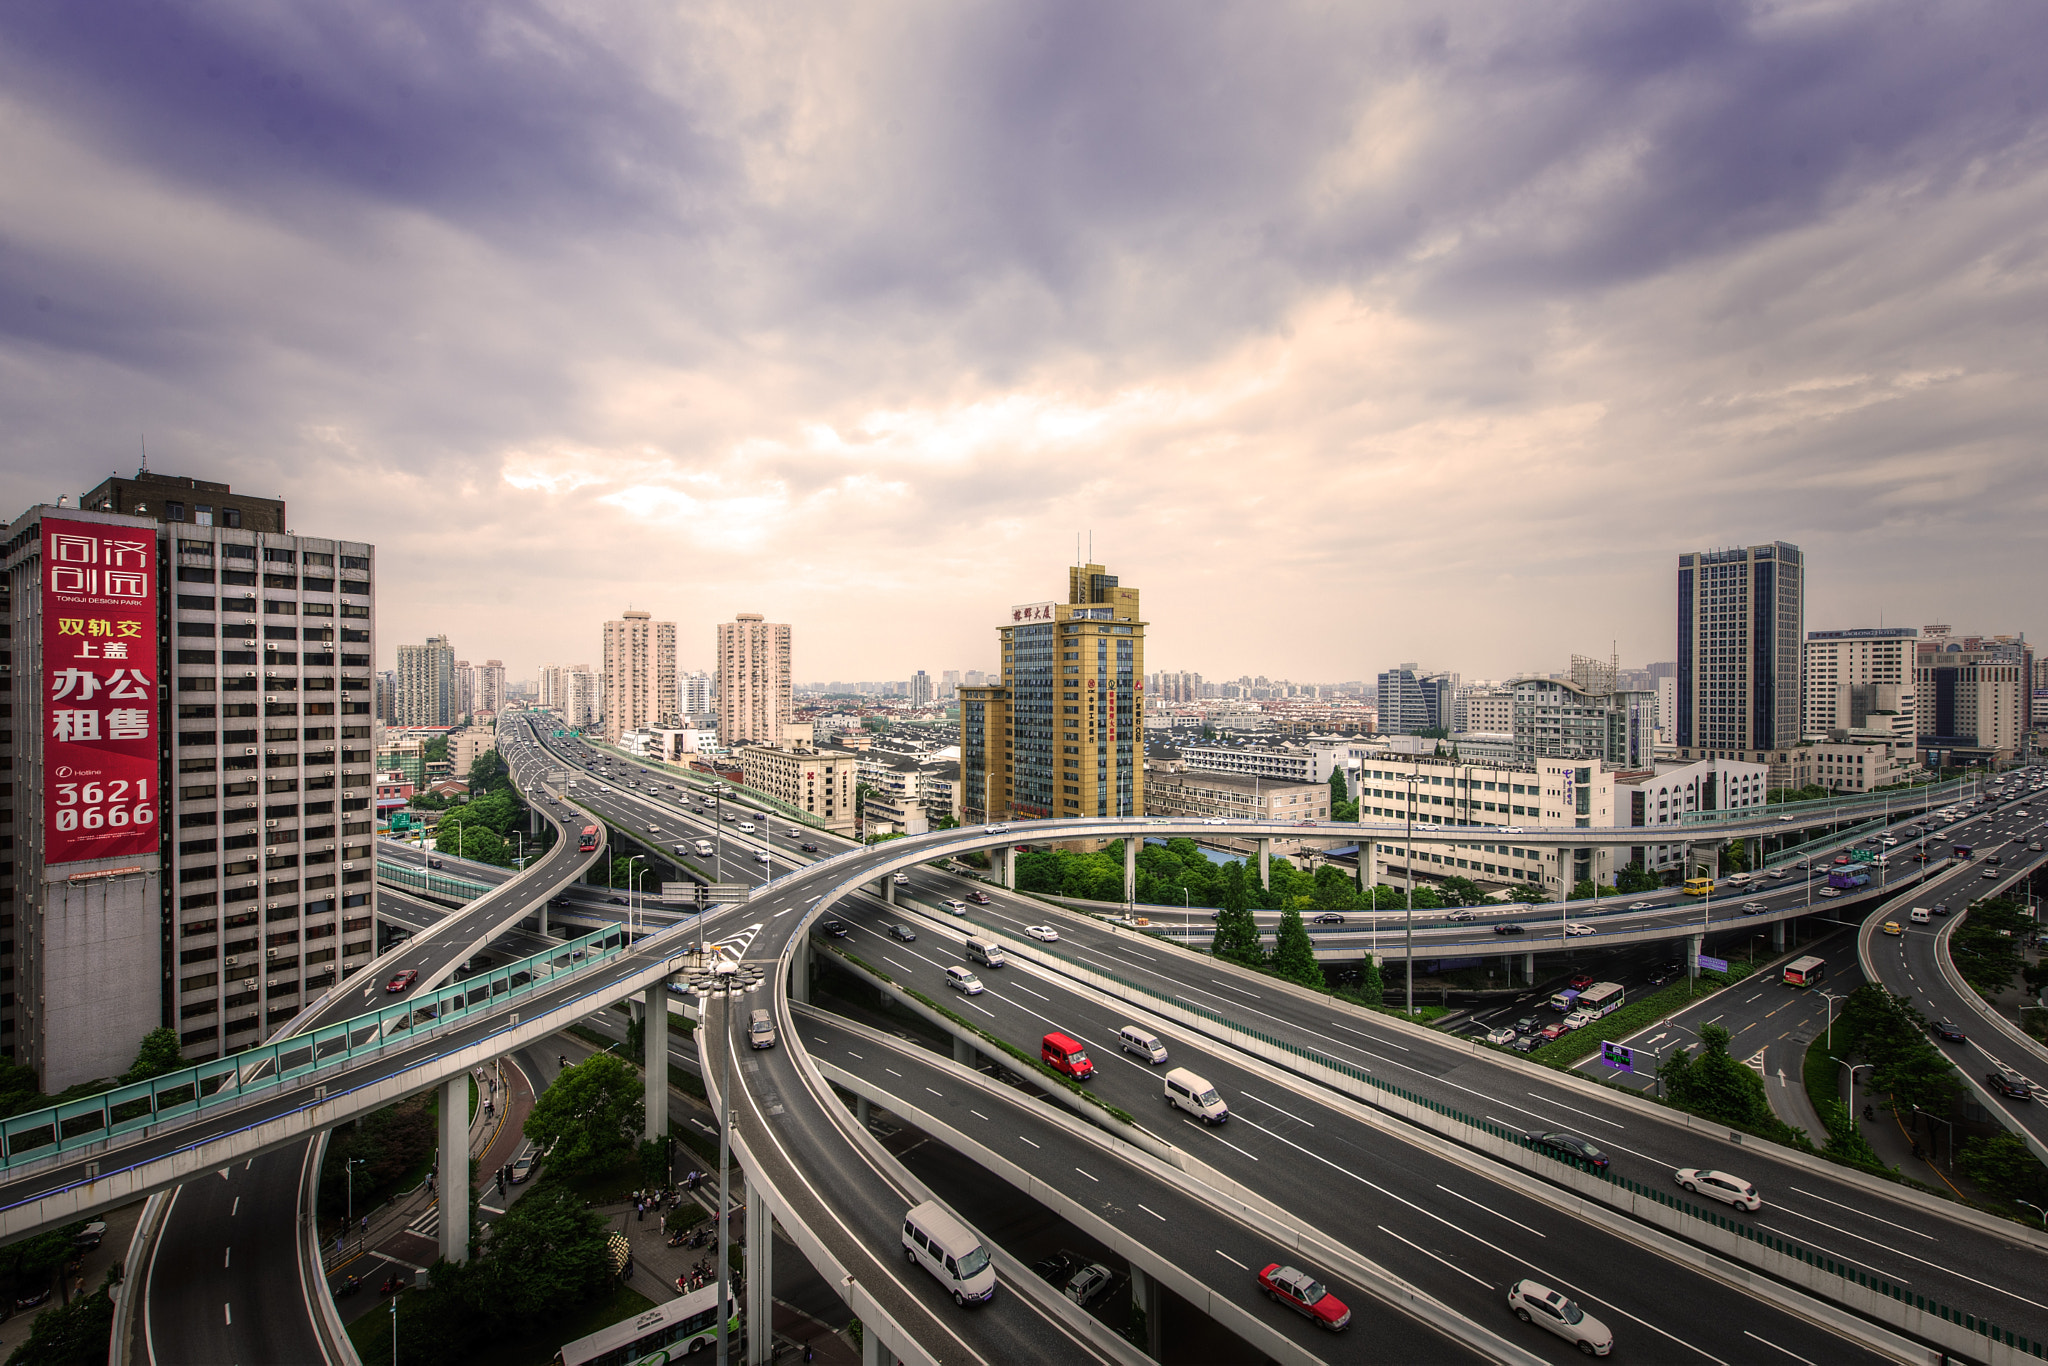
{"points": [[669, 1332]]}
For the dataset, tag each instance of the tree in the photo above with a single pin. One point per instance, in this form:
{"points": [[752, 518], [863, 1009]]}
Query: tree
{"points": [[2003, 1165], [1459, 891], [158, 1054], [1634, 879], [436, 750], [74, 1334], [590, 1118], [489, 773], [1237, 934], [1294, 954], [1528, 892], [1716, 1085], [1370, 984], [1340, 790], [546, 1253], [27, 1266], [1985, 947]]}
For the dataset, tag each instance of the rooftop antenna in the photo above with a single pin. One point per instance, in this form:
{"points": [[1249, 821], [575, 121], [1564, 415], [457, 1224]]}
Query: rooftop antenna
{"points": [[144, 439]]}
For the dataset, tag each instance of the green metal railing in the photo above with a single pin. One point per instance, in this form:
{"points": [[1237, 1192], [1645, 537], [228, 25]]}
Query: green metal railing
{"points": [[426, 880], [57, 1129]]}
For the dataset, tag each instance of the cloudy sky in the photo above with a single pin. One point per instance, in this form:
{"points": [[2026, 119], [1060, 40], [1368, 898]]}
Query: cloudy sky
{"points": [[1354, 334]]}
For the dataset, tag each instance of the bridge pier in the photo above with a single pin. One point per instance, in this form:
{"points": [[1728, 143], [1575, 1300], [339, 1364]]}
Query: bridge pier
{"points": [[453, 1174], [861, 1110], [760, 1279], [1529, 969], [800, 972], [889, 889], [963, 1052], [1009, 857], [872, 1352], [1145, 1299], [543, 913], [1777, 936], [1266, 863], [1130, 870], [654, 1035]]}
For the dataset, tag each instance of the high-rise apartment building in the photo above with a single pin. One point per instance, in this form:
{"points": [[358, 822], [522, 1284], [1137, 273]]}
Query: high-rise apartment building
{"points": [[490, 687], [217, 873], [1850, 676], [639, 673], [1556, 719], [693, 693], [1741, 630], [386, 689], [920, 689], [753, 681], [1064, 733], [1974, 696], [427, 693], [1413, 702]]}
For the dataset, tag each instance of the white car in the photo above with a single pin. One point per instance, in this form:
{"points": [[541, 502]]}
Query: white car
{"points": [[1533, 1302], [1575, 928], [1045, 933], [1639, 906], [901, 879], [1721, 1186], [761, 857], [1503, 1034], [960, 979], [1215, 820], [956, 907], [794, 833], [1579, 1019]]}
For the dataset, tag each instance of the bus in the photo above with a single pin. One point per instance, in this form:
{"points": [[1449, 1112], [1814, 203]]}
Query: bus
{"points": [[1603, 998], [589, 841], [1699, 886], [668, 1332], [1805, 972]]}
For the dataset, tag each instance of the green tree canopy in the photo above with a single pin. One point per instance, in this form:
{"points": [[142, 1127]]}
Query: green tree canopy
{"points": [[158, 1055], [589, 1120], [1237, 933], [545, 1254], [489, 773], [1716, 1085], [1294, 953], [2004, 1166]]}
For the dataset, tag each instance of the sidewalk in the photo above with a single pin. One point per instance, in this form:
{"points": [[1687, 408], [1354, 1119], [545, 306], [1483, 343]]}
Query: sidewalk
{"points": [[120, 1229]]}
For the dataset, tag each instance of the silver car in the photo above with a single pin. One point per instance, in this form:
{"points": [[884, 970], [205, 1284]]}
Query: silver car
{"points": [[1533, 1302]]}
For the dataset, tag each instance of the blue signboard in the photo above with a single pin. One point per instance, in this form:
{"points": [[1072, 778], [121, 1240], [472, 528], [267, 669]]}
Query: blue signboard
{"points": [[1615, 1055], [1706, 964]]}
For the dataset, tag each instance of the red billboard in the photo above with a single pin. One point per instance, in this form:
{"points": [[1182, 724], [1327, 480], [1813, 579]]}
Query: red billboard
{"points": [[99, 691]]}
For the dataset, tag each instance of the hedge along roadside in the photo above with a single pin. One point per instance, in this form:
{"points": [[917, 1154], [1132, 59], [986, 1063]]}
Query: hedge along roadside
{"points": [[1571, 1049], [1628, 1208], [1070, 1093]]}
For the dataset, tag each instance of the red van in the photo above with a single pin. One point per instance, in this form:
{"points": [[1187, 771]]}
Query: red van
{"points": [[1065, 1055]]}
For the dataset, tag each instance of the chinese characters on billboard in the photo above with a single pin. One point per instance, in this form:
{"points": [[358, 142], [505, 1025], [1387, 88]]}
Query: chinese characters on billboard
{"points": [[1037, 611], [99, 691]]}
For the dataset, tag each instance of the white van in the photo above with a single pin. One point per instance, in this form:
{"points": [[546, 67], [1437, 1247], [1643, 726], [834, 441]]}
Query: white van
{"points": [[1922, 916], [986, 952], [1142, 1043], [746, 827], [942, 1245], [1186, 1091], [960, 979], [704, 849]]}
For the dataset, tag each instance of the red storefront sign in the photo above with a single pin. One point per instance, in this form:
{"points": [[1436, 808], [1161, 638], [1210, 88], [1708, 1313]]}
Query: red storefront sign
{"points": [[99, 691]]}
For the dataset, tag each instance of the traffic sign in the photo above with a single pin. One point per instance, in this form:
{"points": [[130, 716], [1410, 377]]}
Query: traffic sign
{"points": [[1706, 964], [1618, 1056]]}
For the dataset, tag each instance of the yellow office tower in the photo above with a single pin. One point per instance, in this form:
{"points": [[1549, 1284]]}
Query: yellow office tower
{"points": [[1064, 735]]}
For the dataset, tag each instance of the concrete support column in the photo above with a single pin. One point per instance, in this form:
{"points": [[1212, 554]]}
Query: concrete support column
{"points": [[1777, 936], [1130, 869], [872, 1352], [800, 973], [655, 1059], [1266, 863], [1009, 852], [963, 1051], [1695, 945], [453, 1174], [1529, 969], [636, 1010], [543, 919], [1145, 1299], [889, 889], [760, 1299], [861, 1110]]}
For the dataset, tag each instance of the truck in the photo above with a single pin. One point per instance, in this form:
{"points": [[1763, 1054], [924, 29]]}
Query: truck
{"points": [[1845, 880], [1963, 851], [704, 849]]}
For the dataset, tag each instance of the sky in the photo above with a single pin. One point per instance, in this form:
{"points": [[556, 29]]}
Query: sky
{"points": [[1352, 335]]}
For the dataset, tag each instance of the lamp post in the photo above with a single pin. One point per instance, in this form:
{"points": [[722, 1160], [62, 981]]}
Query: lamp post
{"points": [[1187, 918], [1408, 853], [1859, 1067], [1832, 998], [2036, 1209], [351, 1166], [631, 883], [722, 985]]}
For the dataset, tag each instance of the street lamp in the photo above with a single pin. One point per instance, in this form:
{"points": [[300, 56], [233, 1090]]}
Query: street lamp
{"points": [[1408, 854], [2036, 1209], [723, 983], [631, 882], [1832, 998], [1859, 1067], [352, 1164], [1187, 917]]}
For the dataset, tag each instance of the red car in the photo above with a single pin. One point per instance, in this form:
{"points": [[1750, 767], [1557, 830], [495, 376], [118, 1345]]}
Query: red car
{"points": [[1580, 981], [1556, 1031], [1304, 1293], [1842, 858], [402, 980]]}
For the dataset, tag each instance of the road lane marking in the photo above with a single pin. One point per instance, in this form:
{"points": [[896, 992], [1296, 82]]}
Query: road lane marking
{"points": [[979, 1115], [1224, 1141], [227, 1257], [892, 1072], [1271, 1106], [235, 1208], [1494, 1212], [1239, 990], [1232, 1260], [1786, 1350], [1595, 1118], [1022, 1139], [1432, 1256], [1096, 1179], [228, 1312], [1019, 986], [940, 1094], [851, 1053]]}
